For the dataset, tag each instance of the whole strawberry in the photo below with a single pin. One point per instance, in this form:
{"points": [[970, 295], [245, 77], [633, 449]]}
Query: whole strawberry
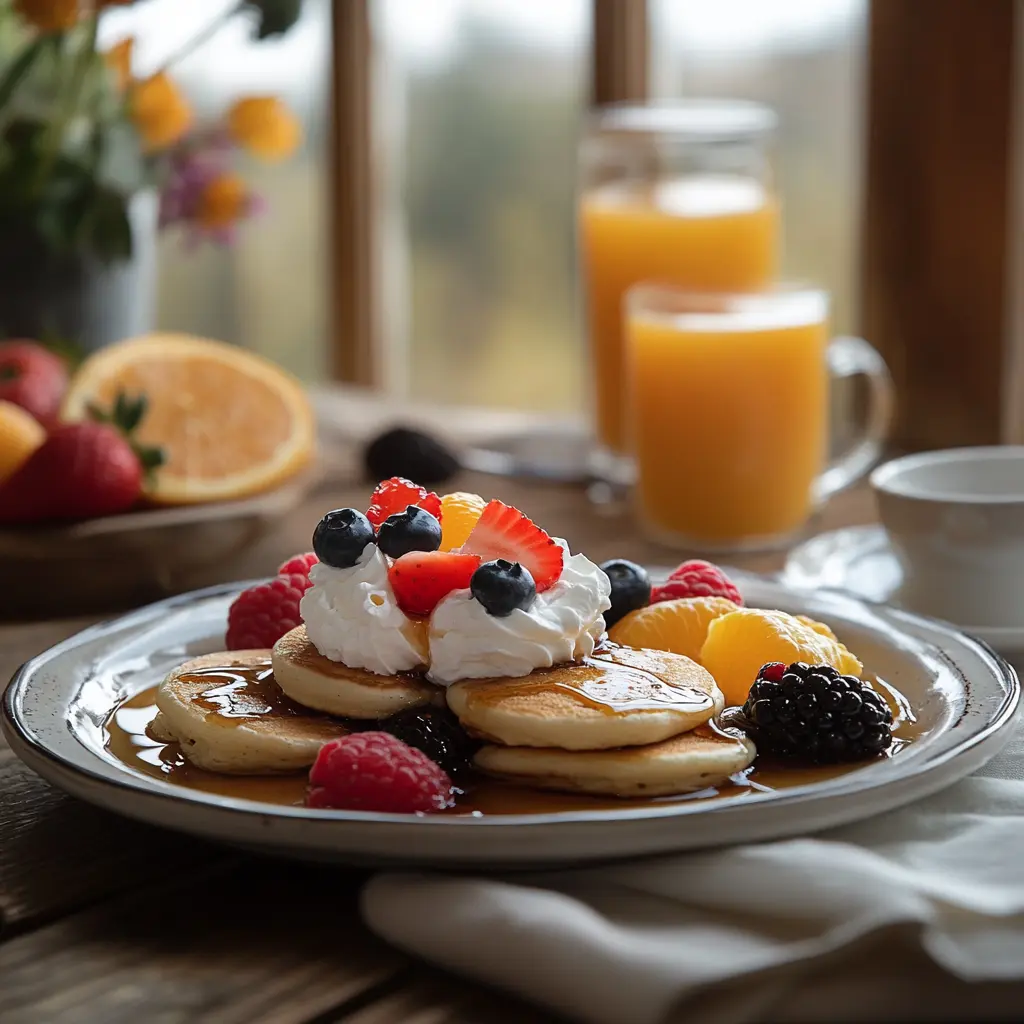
{"points": [[81, 471], [34, 378]]}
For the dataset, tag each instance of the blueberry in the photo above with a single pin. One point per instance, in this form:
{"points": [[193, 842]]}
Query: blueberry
{"points": [[502, 587], [631, 589], [415, 529], [341, 536]]}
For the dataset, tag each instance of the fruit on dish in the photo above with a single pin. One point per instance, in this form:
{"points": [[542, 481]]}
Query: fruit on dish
{"points": [[679, 625], [740, 642], [404, 667], [813, 712], [158, 420]]}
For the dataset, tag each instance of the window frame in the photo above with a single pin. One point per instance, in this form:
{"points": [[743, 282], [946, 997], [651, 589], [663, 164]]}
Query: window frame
{"points": [[960, 96]]}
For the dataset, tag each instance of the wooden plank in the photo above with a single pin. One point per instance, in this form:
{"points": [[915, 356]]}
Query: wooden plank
{"points": [[937, 203], [353, 356], [432, 996], [251, 942], [619, 53]]}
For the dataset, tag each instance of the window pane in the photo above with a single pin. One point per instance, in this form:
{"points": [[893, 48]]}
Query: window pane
{"points": [[478, 108], [805, 59], [268, 291]]}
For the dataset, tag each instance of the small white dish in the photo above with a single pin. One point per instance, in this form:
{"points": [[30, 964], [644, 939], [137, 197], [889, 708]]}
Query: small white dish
{"points": [[964, 697], [955, 521], [860, 560]]}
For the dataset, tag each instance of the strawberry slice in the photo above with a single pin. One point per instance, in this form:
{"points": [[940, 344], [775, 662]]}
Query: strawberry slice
{"points": [[396, 495], [420, 579], [504, 532]]}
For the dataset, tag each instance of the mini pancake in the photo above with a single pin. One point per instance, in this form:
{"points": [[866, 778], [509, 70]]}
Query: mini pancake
{"points": [[314, 681], [618, 697], [229, 715], [695, 760]]}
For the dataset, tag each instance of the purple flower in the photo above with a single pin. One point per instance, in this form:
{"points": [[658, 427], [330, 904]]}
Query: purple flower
{"points": [[192, 167]]}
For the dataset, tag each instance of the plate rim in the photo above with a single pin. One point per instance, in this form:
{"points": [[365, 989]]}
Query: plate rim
{"points": [[23, 739]]}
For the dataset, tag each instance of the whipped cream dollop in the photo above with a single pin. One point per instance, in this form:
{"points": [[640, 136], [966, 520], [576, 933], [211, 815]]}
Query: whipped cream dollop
{"points": [[563, 624], [351, 616]]}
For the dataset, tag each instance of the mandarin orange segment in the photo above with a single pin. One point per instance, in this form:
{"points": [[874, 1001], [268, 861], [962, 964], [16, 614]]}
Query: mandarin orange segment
{"points": [[818, 627], [679, 625], [739, 643], [459, 512], [230, 422]]}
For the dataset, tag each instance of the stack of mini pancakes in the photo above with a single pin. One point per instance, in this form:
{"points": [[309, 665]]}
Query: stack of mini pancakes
{"points": [[625, 722]]}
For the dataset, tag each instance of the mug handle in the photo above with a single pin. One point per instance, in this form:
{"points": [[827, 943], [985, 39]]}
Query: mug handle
{"points": [[850, 357]]}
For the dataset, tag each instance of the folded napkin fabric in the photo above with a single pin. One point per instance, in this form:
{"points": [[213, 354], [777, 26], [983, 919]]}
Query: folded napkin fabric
{"points": [[631, 943]]}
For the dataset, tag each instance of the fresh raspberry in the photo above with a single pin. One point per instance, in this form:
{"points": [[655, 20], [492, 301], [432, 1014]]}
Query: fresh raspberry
{"points": [[261, 615], [696, 579], [504, 532], [420, 579], [375, 771], [396, 495], [299, 565]]}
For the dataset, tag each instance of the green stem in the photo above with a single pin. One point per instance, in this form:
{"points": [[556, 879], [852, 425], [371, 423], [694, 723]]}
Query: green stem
{"points": [[18, 69], [72, 93], [207, 33]]}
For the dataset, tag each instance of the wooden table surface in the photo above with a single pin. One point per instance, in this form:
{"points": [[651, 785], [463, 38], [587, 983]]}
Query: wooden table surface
{"points": [[106, 920]]}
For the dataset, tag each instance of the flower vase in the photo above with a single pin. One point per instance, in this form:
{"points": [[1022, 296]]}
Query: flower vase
{"points": [[77, 299]]}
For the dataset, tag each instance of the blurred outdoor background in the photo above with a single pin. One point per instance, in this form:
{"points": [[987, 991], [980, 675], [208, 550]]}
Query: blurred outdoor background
{"points": [[478, 108]]}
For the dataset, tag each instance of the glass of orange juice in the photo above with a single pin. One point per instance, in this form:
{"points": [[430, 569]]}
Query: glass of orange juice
{"points": [[727, 412], [676, 192]]}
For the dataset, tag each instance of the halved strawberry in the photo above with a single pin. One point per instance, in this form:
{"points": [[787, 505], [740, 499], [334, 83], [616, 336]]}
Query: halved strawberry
{"points": [[420, 579], [504, 532], [396, 495]]}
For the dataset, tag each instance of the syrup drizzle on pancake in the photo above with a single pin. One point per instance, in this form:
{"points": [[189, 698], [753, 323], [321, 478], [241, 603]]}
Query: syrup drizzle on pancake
{"points": [[607, 681], [242, 692]]}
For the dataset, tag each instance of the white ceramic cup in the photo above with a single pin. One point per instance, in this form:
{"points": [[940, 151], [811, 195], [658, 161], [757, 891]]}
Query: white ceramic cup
{"points": [[955, 519]]}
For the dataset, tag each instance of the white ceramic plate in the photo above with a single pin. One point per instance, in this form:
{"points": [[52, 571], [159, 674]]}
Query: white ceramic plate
{"points": [[860, 561], [964, 696]]}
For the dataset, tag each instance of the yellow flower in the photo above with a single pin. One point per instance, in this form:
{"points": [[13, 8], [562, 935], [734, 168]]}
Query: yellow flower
{"points": [[59, 15], [48, 15], [159, 111], [264, 126], [119, 59], [224, 201]]}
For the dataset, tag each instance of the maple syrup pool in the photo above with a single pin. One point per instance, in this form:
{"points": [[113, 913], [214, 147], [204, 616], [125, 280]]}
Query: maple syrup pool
{"points": [[128, 740]]}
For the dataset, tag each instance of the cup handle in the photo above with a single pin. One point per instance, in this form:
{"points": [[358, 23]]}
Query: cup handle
{"points": [[849, 357]]}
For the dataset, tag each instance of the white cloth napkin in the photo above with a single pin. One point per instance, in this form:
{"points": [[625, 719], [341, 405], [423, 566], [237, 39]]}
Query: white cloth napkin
{"points": [[883, 920]]}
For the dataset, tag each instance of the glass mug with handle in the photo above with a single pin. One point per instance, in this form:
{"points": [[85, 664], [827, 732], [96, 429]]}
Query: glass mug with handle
{"points": [[727, 407]]}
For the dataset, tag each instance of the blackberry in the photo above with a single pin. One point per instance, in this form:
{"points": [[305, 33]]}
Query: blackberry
{"points": [[812, 713], [435, 731], [402, 451]]}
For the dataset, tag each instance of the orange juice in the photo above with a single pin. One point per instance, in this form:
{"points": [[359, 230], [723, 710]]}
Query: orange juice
{"points": [[728, 413], [703, 232]]}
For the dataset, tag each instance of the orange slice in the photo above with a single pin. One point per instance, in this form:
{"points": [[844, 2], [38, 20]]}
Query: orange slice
{"points": [[679, 625], [20, 436], [740, 642], [230, 422]]}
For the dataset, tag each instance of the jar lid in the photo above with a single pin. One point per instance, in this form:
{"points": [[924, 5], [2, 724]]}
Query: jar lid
{"points": [[710, 120]]}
